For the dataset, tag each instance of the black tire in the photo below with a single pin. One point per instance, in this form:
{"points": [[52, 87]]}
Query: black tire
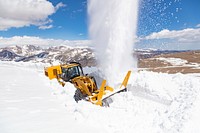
{"points": [[107, 102], [78, 95], [94, 80]]}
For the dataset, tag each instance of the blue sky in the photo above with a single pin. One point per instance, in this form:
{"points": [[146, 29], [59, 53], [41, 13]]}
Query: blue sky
{"points": [[69, 22], [67, 19], [179, 14]]}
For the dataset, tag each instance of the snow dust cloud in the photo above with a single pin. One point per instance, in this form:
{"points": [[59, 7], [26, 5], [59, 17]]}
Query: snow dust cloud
{"points": [[112, 28]]}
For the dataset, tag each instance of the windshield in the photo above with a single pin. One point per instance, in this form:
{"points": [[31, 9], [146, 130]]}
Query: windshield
{"points": [[70, 73], [73, 72]]}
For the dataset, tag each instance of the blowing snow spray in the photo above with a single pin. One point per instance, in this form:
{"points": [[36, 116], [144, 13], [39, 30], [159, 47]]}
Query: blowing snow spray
{"points": [[112, 28]]}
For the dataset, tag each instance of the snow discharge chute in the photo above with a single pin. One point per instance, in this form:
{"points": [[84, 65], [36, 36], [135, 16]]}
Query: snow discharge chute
{"points": [[85, 84]]}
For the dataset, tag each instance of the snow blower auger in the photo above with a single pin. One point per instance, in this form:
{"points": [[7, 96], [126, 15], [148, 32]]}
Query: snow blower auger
{"points": [[85, 84]]}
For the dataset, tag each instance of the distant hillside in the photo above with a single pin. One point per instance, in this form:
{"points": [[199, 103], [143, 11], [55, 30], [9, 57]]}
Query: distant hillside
{"points": [[63, 54], [183, 62], [148, 59]]}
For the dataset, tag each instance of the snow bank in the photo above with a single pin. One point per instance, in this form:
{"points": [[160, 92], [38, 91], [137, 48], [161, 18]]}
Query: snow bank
{"points": [[155, 102], [192, 126]]}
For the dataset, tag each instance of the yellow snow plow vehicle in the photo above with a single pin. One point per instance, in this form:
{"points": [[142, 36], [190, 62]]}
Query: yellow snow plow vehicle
{"points": [[85, 84]]}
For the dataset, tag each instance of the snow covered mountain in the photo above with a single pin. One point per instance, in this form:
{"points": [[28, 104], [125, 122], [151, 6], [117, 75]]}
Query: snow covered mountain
{"points": [[31, 53], [63, 54]]}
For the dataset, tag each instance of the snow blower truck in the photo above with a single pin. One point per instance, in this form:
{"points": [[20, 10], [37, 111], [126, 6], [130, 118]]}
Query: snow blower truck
{"points": [[86, 85]]}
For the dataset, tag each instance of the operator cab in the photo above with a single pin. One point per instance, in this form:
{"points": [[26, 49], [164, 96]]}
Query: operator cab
{"points": [[71, 71]]}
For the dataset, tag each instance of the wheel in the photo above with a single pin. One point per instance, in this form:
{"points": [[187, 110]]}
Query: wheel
{"points": [[94, 80], [78, 95], [107, 102]]}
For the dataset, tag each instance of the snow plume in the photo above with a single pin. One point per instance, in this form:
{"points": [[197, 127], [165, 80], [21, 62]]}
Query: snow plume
{"points": [[112, 28]]}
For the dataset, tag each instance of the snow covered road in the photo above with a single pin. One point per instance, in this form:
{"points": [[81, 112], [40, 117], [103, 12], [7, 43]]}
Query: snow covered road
{"points": [[156, 102]]}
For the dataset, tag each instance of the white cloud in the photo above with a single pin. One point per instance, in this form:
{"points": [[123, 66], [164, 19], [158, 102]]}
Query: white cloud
{"points": [[186, 39], [44, 27], [59, 5], [189, 35], [198, 26], [20, 13], [32, 40]]}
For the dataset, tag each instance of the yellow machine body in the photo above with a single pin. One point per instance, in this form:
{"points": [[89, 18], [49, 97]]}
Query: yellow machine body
{"points": [[52, 72], [85, 84]]}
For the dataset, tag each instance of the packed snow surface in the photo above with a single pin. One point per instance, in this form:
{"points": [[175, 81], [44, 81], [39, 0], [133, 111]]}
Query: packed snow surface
{"points": [[155, 102]]}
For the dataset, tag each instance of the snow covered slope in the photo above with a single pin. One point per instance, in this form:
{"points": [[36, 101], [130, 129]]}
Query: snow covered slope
{"points": [[155, 102], [35, 54], [64, 53], [27, 104]]}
